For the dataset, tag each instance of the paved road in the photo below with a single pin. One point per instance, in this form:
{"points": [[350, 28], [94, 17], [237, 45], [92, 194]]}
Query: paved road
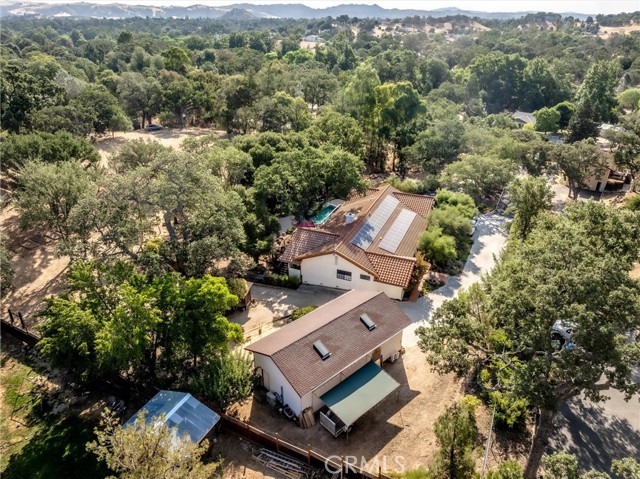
{"points": [[489, 239], [596, 433], [599, 433]]}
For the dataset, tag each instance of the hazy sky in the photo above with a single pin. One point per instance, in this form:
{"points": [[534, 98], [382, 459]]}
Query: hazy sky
{"points": [[559, 6]]}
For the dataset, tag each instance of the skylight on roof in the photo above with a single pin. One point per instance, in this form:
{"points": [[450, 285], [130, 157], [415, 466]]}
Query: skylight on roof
{"points": [[322, 350], [366, 320]]}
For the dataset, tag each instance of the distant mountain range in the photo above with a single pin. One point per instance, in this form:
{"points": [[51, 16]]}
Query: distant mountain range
{"points": [[238, 11]]}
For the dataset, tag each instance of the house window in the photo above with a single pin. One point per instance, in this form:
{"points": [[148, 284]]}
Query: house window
{"points": [[346, 275], [294, 266], [366, 277]]}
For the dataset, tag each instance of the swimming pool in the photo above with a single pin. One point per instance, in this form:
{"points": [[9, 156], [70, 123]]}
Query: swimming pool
{"points": [[324, 214]]}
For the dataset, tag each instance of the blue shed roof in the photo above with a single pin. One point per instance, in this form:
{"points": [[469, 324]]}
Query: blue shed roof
{"points": [[182, 411]]}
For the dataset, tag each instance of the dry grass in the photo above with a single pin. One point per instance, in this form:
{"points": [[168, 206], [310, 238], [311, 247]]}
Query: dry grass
{"points": [[606, 32], [39, 271]]}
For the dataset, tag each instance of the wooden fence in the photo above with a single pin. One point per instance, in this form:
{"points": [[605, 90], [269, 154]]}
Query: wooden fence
{"points": [[308, 455], [18, 329], [250, 432]]}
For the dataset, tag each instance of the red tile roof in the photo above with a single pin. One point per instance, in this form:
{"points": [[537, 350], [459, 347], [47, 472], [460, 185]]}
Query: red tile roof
{"points": [[387, 267], [305, 240], [337, 324], [392, 269]]}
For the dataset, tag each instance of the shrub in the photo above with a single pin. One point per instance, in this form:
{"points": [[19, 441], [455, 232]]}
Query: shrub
{"points": [[633, 203], [507, 470], [226, 378], [438, 247], [238, 287], [282, 280], [299, 312], [462, 201], [407, 185], [452, 222], [511, 411]]}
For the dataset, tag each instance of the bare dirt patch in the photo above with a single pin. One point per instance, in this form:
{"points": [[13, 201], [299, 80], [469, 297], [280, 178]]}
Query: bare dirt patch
{"points": [[635, 272], [170, 137], [606, 32], [39, 271], [237, 462]]}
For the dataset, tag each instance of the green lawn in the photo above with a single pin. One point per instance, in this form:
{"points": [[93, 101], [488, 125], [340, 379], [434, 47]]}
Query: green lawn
{"points": [[57, 451], [32, 447]]}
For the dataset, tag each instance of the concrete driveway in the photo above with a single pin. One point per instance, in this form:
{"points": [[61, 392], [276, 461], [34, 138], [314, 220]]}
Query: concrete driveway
{"points": [[273, 303], [489, 239]]}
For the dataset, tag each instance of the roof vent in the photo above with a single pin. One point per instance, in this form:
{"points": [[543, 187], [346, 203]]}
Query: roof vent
{"points": [[349, 218], [366, 320], [322, 350]]}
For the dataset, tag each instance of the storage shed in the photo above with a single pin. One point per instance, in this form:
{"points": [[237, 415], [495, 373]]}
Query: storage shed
{"points": [[180, 411]]}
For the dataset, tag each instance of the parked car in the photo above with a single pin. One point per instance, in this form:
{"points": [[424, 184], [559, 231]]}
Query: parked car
{"points": [[562, 334], [152, 127]]}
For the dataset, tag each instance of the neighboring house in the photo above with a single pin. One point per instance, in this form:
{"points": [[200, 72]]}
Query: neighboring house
{"points": [[181, 412], [368, 243], [610, 180], [333, 355], [524, 118], [312, 39]]}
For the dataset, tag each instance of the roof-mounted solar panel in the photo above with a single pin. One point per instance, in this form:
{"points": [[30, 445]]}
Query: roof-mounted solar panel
{"points": [[322, 350], [375, 222], [366, 320], [398, 230]]}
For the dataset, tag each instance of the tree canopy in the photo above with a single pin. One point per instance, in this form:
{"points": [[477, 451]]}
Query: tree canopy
{"points": [[501, 328]]}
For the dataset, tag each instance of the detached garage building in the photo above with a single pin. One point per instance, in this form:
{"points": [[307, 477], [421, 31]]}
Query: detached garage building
{"points": [[333, 356]]}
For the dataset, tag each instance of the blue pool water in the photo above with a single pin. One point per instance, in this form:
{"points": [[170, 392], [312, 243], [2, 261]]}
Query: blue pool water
{"points": [[323, 215]]}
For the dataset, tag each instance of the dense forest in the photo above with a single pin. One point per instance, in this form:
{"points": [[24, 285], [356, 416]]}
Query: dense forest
{"points": [[158, 238]]}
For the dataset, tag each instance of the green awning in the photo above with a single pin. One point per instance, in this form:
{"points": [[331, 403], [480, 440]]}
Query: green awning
{"points": [[354, 396]]}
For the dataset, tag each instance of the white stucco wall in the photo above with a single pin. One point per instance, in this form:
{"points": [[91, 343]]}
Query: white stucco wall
{"points": [[322, 270], [275, 381]]}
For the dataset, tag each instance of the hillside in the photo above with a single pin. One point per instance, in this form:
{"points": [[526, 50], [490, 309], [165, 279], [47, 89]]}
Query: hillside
{"points": [[249, 11]]}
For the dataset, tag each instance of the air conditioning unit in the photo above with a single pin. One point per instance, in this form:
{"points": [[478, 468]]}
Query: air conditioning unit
{"points": [[394, 357], [271, 399]]}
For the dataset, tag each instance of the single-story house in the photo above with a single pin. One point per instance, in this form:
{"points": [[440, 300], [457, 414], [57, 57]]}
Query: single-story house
{"points": [[368, 242], [183, 413], [333, 355], [524, 118], [312, 39]]}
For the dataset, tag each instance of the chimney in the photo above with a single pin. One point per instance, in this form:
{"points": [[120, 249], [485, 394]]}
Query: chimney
{"points": [[349, 218]]}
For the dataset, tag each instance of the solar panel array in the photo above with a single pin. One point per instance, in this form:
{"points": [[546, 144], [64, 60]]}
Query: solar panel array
{"points": [[375, 223], [396, 233]]}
